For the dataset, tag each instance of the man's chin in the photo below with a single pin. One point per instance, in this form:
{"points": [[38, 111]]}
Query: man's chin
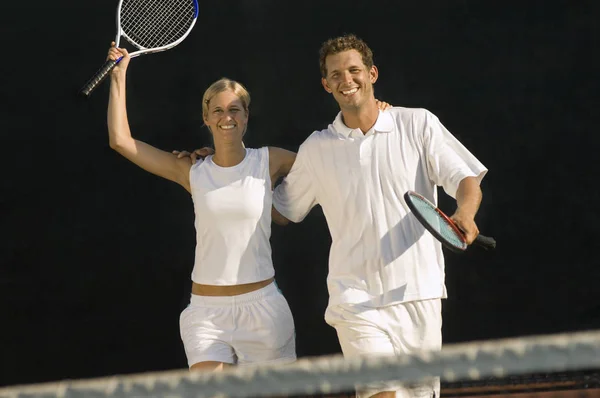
{"points": [[349, 103]]}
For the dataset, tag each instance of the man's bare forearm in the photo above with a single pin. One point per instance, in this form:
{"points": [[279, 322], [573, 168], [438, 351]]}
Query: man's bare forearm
{"points": [[468, 196]]}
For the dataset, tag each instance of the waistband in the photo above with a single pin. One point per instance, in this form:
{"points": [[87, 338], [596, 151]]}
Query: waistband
{"points": [[220, 301]]}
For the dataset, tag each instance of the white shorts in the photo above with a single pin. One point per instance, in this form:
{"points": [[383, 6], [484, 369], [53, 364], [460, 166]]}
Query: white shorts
{"points": [[394, 330], [255, 327]]}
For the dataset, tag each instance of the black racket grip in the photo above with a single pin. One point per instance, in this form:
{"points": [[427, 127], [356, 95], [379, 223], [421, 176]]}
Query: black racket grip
{"points": [[98, 78], [485, 241]]}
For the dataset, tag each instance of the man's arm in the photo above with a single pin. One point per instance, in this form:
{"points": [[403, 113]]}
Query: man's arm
{"points": [[468, 199], [295, 196]]}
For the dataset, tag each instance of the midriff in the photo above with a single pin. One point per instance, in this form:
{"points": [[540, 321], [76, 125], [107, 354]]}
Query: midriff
{"points": [[228, 290]]}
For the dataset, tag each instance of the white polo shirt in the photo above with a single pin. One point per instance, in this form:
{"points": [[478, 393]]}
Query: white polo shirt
{"points": [[380, 254]]}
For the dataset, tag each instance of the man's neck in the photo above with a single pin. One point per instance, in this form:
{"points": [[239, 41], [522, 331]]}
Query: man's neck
{"points": [[362, 118]]}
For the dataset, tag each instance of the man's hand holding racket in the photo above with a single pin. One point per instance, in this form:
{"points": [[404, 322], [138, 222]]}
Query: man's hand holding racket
{"points": [[456, 233], [466, 223]]}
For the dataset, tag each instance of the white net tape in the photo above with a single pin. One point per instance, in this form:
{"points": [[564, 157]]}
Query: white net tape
{"points": [[467, 361]]}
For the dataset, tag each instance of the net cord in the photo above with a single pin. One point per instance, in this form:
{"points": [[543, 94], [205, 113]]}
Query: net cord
{"points": [[331, 374]]}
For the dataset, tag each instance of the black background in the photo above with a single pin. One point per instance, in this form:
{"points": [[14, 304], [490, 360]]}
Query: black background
{"points": [[96, 254]]}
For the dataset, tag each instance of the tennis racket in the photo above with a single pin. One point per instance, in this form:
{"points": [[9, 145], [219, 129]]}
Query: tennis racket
{"points": [[441, 226], [150, 26]]}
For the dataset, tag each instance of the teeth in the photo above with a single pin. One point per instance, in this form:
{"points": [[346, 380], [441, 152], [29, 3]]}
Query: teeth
{"points": [[349, 92], [227, 127]]}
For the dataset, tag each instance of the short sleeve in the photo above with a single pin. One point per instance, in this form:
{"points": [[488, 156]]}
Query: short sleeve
{"points": [[448, 161], [295, 196]]}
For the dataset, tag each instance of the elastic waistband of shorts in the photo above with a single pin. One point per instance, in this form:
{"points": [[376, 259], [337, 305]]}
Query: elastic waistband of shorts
{"points": [[219, 301]]}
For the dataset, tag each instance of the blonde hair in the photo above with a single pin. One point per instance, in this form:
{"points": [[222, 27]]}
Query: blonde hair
{"points": [[221, 85]]}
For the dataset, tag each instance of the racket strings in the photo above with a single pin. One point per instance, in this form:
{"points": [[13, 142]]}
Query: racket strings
{"points": [[156, 15], [156, 23], [164, 24], [437, 222]]}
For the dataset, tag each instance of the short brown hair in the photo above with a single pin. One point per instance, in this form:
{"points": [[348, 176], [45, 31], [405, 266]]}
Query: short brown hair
{"points": [[344, 43]]}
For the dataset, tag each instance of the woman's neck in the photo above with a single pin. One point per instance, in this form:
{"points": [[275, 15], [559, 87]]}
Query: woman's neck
{"points": [[228, 155]]}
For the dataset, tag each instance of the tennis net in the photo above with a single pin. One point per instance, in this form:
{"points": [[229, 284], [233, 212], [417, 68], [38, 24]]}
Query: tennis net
{"points": [[559, 364]]}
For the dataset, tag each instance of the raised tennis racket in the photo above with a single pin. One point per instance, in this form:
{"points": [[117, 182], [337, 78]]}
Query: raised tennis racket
{"points": [[441, 226], [150, 26]]}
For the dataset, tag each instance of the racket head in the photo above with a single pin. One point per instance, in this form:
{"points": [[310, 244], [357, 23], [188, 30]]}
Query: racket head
{"points": [[155, 25], [436, 222], [150, 26]]}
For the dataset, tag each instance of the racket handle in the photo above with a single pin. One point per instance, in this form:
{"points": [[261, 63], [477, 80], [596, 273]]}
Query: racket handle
{"points": [[98, 77], [485, 241]]}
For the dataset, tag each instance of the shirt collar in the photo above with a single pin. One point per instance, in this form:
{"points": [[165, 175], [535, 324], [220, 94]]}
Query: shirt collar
{"points": [[384, 124]]}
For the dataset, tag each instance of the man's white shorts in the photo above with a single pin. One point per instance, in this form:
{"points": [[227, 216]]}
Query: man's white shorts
{"points": [[255, 327], [393, 330]]}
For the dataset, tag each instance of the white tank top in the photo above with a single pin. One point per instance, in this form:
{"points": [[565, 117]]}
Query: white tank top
{"points": [[233, 220]]}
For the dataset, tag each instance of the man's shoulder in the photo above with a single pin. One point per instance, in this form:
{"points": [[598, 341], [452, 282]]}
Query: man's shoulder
{"points": [[411, 119], [405, 113], [319, 136]]}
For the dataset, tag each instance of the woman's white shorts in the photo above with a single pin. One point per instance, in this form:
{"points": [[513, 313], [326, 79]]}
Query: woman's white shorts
{"points": [[255, 327]]}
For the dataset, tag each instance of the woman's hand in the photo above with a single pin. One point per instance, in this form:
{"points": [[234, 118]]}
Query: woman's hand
{"points": [[121, 56]]}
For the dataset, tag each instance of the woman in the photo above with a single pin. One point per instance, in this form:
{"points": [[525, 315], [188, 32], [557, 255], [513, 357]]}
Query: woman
{"points": [[236, 313]]}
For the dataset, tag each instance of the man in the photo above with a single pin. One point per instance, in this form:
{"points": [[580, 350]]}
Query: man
{"points": [[386, 274]]}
